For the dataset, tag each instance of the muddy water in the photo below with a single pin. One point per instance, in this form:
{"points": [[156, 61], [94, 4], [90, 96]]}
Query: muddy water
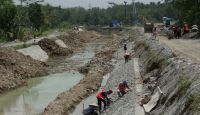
{"points": [[32, 99], [91, 99]]}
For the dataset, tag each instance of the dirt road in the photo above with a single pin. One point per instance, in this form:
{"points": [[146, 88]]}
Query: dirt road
{"points": [[52, 35], [187, 48]]}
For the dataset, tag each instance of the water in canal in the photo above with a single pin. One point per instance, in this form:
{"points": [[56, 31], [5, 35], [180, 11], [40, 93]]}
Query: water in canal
{"points": [[34, 98]]}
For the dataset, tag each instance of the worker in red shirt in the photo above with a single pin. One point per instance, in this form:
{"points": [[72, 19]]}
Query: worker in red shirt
{"points": [[122, 88], [126, 57], [101, 96]]}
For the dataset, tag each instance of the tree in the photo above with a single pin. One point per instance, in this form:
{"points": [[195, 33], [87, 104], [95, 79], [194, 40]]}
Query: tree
{"points": [[7, 15], [35, 15]]}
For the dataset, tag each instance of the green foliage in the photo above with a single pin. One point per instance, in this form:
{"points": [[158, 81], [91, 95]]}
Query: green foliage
{"points": [[187, 11], [7, 15], [179, 93], [131, 37], [35, 15], [182, 89], [24, 46], [167, 62], [64, 24], [153, 59], [192, 104]]}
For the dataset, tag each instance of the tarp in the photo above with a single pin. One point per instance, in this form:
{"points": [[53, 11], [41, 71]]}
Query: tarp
{"points": [[118, 25], [114, 21], [153, 102]]}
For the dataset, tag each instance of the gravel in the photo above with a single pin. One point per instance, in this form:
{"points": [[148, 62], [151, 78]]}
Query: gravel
{"points": [[123, 71]]}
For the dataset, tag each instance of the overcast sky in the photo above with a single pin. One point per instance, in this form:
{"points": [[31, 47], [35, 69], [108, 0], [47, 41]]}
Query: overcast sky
{"points": [[84, 3]]}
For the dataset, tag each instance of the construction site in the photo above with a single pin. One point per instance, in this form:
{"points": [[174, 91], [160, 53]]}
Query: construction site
{"points": [[143, 68]]}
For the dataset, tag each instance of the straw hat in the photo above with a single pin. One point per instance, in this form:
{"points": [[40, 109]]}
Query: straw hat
{"points": [[94, 104]]}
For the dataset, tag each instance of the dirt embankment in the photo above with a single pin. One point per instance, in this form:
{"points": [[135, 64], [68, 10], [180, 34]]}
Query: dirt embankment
{"points": [[74, 39], [15, 67], [66, 102], [52, 48], [177, 77]]}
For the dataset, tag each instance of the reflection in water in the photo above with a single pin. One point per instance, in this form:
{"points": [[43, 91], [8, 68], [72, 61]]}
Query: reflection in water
{"points": [[32, 99]]}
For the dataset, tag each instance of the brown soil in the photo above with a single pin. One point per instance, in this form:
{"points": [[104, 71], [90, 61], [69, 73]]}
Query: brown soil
{"points": [[52, 48], [107, 52], [15, 67], [77, 39]]}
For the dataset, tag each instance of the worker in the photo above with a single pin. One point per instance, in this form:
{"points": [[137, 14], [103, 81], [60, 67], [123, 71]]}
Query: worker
{"points": [[125, 48], [91, 109], [101, 96], [185, 28], [155, 31], [175, 32], [34, 35], [122, 88], [178, 32], [126, 56]]}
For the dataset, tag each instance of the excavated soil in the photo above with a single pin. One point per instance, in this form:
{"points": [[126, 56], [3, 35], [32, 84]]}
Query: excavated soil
{"points": [[15, 67], [74, 39], [52, 48], [66, 102]]}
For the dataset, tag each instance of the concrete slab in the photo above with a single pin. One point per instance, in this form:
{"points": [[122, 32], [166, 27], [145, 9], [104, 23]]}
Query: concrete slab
{"points": [[35, 52], [138, 88], [61, 43]]}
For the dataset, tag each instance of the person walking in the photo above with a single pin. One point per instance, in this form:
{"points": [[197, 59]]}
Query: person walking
{"points": [[155, 31], [122, 88], [101, 96], [126, 57], [125, 48]]}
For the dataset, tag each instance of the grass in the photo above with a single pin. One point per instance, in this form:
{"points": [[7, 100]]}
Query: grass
{"points": [[167, 62], [192, 104], [183, 87], [24, 46], [153, 59], [126, 28], [131, 37], [47, 32]]}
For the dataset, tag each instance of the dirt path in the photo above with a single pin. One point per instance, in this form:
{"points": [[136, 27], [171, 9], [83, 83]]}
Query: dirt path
{"points": [[185, 47], [53, 34]]}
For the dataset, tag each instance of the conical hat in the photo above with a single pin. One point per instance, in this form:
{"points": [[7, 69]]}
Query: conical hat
{"points": [[94, 104]]}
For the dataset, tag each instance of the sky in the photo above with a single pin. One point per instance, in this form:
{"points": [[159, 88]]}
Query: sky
{"points": [[85, 3]]}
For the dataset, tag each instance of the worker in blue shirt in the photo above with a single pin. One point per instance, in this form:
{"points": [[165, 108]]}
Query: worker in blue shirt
{"points": [[91, 109]]}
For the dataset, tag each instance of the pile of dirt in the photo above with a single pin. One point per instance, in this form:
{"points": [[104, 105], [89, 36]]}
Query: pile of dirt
{"points": [[15, 67], [52, 48], [107, 52], [191, 35], [75, 39]]}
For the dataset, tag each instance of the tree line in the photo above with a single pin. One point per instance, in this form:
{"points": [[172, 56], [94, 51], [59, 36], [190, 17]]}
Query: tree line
{"points": [[31, 14]]}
